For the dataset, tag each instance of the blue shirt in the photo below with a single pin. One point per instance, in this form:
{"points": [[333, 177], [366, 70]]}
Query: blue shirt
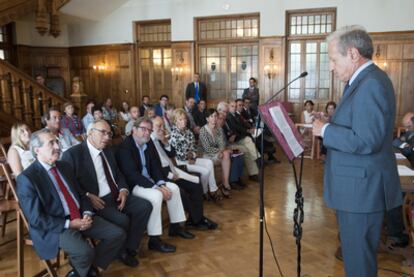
{"points": [[144, 171]]}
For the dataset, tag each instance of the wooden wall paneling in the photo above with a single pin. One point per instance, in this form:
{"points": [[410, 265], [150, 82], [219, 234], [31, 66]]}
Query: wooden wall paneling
{"points": [[182, 57], [394, 53], [33, 59], [112, 82], [267, 87]]}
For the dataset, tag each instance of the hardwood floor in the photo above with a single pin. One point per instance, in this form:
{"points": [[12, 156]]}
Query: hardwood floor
{"points": [[232, 250]]}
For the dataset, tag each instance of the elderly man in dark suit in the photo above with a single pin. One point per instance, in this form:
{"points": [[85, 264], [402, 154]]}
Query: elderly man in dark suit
{"points": [[361, 180], [99, 178], [58, 216], [196, 89]]}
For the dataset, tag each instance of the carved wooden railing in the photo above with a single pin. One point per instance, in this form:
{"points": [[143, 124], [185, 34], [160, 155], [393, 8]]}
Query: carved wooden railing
{"points": [[23, 98]]}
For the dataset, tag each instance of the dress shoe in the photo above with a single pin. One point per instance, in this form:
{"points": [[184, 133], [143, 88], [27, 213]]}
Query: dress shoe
{"points": [[401, 241], [235, 186], [132, 252], [254, 178], [181, 233], [129, 260], [155, 243], [196, 226], [72, 273], [211, 225]]}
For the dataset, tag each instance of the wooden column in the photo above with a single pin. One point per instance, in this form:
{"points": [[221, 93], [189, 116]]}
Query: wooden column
{"points": [[16, 103], [27, 107], [5, 92]]}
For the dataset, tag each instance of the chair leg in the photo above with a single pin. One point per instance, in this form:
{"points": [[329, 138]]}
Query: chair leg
{"points": [[3, 224], [20, 249]]}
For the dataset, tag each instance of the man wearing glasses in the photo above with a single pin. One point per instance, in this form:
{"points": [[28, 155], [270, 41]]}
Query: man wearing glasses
{"points": [[101, 181], [137, 160]]}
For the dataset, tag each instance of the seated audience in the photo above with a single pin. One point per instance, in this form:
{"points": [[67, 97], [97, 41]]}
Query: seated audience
{"points": [[52, 120], [213, 145], [247, 112], [99, 178], [307, 115], [160, 107], [237, 133], [189, 107], [169, 117], [97, 114], [136, 159], [405, 143], [149, 113], [59, 217], [269, 148], [199, 114], [71, 121], [109, 112], [19, 156], [237, 157], [124, 112], [329, 111], [183, 142], [134, 115], [190, 186], [145, 104], [88, 117]]}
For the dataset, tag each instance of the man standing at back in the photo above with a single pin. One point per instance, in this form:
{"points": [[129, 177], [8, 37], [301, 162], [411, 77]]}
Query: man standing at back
{"points": [[196, 90], [361, 180]]}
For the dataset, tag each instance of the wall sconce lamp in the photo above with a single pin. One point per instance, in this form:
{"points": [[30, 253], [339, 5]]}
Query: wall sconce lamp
{"points": [[382, 65], [213, 66], [270, 70], [179, 69], [100, 67]]}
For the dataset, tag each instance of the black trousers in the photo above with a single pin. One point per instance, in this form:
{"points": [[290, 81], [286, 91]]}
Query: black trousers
{"points": [[133, 218], [192, 198]]}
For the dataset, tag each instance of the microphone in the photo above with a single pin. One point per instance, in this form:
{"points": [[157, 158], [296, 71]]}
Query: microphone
{"points": [[302, 75]]}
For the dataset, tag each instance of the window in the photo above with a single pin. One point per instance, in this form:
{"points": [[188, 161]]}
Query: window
{"points": [[225, 28], [154, 52], [6, 42], [154, 31], [227, 54], [307, 51]]}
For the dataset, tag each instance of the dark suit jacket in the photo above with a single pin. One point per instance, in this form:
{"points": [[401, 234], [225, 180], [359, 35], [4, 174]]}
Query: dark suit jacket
{"points": [[158, 110], [130, 163], [202, 91], [80, 159], [254, 97], [407, 137], [43, 208], [142, 109], [360, 170], [235, 127], [199, 117]]}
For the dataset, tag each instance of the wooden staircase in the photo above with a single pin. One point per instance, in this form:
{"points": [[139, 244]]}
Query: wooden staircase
{"points": [[23, 99]]}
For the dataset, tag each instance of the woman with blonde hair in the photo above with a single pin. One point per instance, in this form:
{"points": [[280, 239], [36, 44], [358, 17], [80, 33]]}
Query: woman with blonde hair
{"points": [[19, 156], [183, 141]]}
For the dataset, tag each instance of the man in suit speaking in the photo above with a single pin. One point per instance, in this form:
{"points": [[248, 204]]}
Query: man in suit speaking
{"points": [[361, 180]]}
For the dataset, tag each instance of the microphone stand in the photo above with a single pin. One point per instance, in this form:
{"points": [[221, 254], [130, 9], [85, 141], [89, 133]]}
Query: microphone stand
{"points": [[299, 199]]}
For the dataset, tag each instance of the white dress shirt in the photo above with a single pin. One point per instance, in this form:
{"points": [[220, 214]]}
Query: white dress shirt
{"points": [[104, 188]]}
